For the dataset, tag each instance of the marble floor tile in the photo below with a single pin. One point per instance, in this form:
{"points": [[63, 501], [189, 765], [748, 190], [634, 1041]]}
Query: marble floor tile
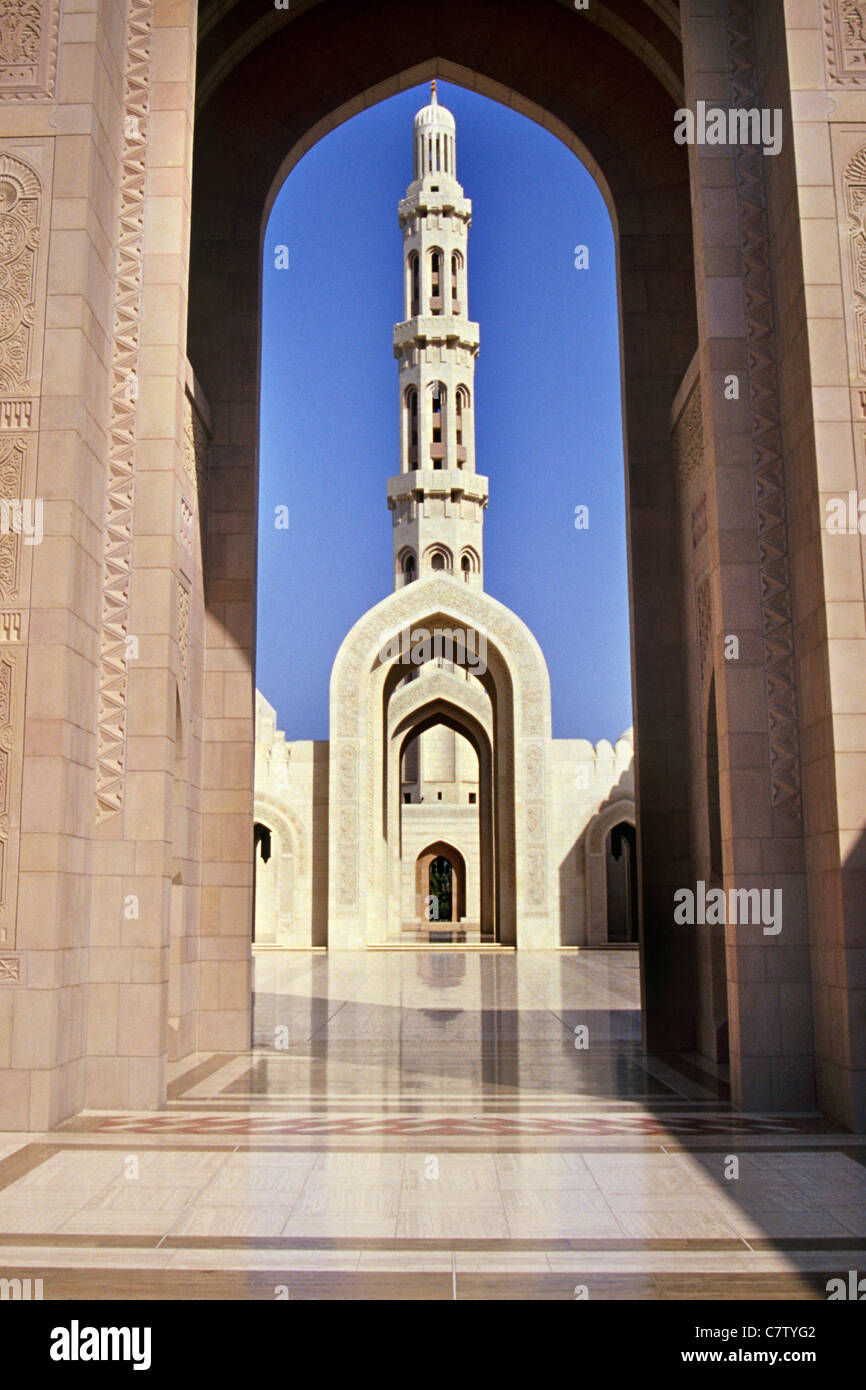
{"points": [[231, 1221], [689, 1223], [451, 1223], [785, 1225], [359, 1226]]}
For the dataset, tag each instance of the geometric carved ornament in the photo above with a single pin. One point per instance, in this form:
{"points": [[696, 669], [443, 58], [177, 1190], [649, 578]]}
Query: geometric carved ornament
{"points": [[777, 619], [117, 561]]}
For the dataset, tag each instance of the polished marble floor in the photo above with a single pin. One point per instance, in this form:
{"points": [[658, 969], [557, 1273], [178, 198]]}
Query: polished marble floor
{"points": [[438, 1124]]}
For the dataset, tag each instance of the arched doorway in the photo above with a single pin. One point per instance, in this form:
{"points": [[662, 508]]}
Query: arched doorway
{"points": [[621, 884], [265, 887], [440, 885]]}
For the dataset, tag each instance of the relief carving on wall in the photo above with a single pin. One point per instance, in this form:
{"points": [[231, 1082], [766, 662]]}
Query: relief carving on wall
{"points": [[13, 455], [688, 437], [20, 193], [11, 972], [347, 794], [111, 736], [28, 49], [764, 410], [183, 605], [195, 446], [7, 671], [705, 623], [845, 47], [20, 215], [855, 202]]}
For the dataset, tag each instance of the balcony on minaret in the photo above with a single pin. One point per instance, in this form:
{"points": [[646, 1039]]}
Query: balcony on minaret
{"points": [[431, 329]]}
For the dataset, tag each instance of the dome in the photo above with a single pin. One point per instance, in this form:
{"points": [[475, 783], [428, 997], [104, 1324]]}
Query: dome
{"points": [[435, 115]]}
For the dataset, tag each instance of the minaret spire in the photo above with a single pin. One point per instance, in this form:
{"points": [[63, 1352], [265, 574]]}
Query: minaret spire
{"points": [[437, 500]]}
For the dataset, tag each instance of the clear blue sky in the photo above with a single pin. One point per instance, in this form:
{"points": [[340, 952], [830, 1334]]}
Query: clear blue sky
{"points": [[547, 392]]}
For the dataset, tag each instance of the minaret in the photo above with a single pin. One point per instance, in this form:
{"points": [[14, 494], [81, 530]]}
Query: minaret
{"points": [[437, 499]]}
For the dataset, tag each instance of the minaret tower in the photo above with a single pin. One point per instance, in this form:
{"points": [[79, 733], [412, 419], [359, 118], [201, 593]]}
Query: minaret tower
{"points": [[437, 499]]}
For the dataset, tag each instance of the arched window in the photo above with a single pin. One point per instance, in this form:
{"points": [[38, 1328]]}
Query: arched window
{"points": [[414, 285], [412, 427], [461, 404], [409, 569], [439, 558], [466, 567], [436, 282], [455, 283], [437, 425]]}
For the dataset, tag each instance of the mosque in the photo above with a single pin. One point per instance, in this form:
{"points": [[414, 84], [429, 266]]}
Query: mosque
{"points": [[441, 808]]}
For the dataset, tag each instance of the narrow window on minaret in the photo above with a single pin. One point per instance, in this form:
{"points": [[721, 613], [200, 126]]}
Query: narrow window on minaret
{"points": [[415, 281], [459, 428], [455, 266], [412, 427], [436, 283], [437, 451]]}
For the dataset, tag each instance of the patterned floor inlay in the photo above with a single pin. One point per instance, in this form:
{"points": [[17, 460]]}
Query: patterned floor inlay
{"points": [[451, 1126]]}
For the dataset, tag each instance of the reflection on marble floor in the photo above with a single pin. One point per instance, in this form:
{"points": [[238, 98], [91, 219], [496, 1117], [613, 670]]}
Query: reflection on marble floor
{"points": [[422, 1124]]}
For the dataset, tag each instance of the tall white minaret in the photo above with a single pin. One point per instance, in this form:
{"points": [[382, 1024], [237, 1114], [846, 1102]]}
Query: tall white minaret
{"points": [[437, 499]]}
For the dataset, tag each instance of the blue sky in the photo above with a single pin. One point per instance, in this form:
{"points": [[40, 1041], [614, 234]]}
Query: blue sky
{"points": [[547, 392]]}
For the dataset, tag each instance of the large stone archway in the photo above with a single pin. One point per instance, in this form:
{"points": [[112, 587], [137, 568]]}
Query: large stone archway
{"points": [[722, 254], [509, 726], [647, 189], [693, 524]]}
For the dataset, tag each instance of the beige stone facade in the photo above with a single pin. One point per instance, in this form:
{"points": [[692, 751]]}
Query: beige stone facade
{"points": [[590, 793], [142, 143]]}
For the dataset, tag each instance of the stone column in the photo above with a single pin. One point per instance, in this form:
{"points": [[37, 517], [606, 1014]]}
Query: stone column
{"points": [[59, 122], [817, 199], [742, 571], [151, 577]]}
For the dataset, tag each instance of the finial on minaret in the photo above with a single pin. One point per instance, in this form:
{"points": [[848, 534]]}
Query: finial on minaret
{"points": [[434, 100]]}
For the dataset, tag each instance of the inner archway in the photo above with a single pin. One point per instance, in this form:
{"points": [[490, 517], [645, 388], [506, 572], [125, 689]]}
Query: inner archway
{"points": [[646, 187], [441, 887]]}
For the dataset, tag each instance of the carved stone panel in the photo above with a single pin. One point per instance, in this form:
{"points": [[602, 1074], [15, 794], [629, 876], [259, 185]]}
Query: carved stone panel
{"points": [[20, 196], [28, 49], [845, 36], [854, 189]]}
